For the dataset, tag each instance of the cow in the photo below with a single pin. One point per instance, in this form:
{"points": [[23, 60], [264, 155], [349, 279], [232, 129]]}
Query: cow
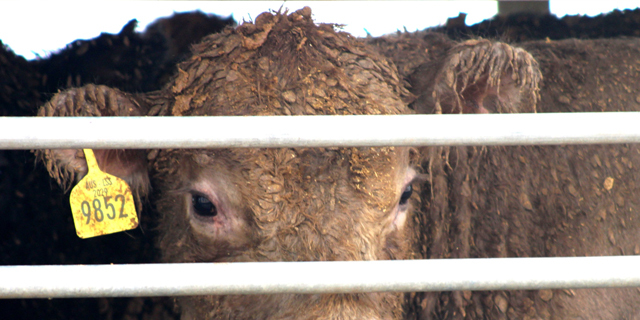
{"points": [[286, 204], [526, 201]]}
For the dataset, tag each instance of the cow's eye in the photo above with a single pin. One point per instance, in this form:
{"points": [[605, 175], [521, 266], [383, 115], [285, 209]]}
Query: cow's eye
{"points": [[406, 194], [203, 207]]}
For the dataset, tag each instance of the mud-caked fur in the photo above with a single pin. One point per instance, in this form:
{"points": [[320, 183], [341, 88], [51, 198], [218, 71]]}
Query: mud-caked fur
{"points": [[537, 201], [478, 73]]}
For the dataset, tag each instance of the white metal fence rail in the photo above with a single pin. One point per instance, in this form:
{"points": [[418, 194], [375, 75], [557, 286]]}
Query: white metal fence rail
{"points": [[319, 131], [318, 277]]}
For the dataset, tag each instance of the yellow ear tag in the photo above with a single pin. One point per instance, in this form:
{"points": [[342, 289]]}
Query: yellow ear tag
{"points": [[101, 203]]}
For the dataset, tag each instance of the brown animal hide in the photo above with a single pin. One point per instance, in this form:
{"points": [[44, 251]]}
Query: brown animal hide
{"points": [[521, 27], [533, 201]]}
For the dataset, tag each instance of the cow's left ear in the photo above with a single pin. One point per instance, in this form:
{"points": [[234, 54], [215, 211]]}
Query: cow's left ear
{"points": [[478, 76], [69, 165]]}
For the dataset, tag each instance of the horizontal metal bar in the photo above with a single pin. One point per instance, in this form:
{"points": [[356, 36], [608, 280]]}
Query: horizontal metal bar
{"points": [[318, 131], [317, 277]]}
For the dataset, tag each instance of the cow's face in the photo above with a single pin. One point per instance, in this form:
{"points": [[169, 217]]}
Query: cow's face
{"points": [[285, 204], [292, 204], [297, 204]]}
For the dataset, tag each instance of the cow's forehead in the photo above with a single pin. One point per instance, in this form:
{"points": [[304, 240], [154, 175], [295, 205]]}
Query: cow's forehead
{"points": [[371, 172], [360, 162], [283, 65]]}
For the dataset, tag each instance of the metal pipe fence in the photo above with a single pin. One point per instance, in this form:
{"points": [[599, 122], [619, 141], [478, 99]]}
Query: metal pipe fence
{"points": [[318, 131], [317, 277]]}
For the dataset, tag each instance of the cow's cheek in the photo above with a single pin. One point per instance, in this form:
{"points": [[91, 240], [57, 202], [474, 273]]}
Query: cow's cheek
{"points": [[400, 220]]}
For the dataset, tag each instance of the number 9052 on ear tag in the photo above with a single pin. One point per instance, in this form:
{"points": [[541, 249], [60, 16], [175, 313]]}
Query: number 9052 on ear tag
{"points": [[101, 203]]}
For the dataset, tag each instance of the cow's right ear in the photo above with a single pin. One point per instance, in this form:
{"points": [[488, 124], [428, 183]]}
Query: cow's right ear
{"points": [[68, 166], [478, 76]]}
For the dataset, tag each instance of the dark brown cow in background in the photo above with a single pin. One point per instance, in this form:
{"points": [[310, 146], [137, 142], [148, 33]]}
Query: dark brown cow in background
{"points": [[129, 60], [521, 27]]}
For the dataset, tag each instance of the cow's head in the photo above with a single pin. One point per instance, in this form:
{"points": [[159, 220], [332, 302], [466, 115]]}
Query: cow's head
{"points": [[287, 204]]}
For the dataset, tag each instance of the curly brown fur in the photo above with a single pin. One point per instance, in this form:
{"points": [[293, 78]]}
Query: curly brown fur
{"points": [[541, 201], [478, 74], [326, 72], [67, 166]]}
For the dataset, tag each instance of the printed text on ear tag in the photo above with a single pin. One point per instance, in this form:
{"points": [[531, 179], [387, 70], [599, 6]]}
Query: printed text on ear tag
{"points": [[101, 203]]}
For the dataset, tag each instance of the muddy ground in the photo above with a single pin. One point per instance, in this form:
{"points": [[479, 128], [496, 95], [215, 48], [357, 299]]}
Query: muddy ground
{"points": [[36, 227]]}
